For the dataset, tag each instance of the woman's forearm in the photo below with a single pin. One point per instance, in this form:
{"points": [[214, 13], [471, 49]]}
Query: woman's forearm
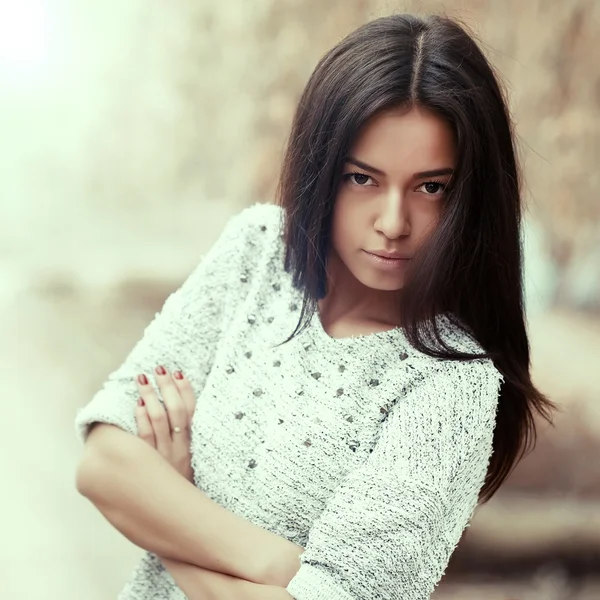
{"points": [[201, 584], [157, 509]]}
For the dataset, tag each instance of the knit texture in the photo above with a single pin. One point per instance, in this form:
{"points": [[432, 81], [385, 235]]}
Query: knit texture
{"points": [[364, 451]]}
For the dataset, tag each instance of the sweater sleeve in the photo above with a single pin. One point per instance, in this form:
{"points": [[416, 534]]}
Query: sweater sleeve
{"points": [[390, 528], [185, 334]]}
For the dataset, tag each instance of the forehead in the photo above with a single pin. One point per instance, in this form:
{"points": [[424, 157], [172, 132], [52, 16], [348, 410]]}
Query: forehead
{"points": [[416, 139]]}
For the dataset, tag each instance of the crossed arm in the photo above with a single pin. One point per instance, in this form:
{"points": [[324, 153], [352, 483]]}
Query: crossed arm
{"points": [[201, 584], [209, 551]]}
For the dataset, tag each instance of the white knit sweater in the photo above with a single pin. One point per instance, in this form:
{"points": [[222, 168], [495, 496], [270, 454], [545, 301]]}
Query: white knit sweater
{"points": [[364, 451]]}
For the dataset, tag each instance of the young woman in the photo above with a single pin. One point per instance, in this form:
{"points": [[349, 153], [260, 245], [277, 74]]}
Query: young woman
{"points": [[343, 461]]}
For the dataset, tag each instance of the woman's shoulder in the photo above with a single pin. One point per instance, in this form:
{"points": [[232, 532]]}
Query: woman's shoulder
{"points": [[257, 228], [261, 215], [453, 332], [461, 374], [247, 235], [457, 335]]}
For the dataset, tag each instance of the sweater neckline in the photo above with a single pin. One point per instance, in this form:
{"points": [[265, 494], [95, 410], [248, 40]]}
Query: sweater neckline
{"points": [[394, 334]]}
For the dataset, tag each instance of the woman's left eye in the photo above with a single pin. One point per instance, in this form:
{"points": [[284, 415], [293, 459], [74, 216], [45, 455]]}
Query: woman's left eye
{"points": [[433, 188]]}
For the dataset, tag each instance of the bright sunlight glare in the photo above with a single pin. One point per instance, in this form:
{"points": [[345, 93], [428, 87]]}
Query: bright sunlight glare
{"points": [[24, 29]]}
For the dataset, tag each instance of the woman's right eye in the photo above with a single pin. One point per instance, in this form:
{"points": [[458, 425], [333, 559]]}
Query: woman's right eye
{"points": [[357, 178]]}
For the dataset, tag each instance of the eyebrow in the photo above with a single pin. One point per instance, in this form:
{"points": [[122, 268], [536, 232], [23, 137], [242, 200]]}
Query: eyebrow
{"points": [[421, 175]]}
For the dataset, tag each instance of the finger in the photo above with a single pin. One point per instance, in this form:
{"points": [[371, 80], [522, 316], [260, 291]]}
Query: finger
{"points": [[186, 392], [157, 414], [144, 425], [174, 405], [177, 411]]}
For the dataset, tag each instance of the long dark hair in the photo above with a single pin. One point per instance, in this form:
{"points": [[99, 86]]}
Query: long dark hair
{"points": [[471, 266]]}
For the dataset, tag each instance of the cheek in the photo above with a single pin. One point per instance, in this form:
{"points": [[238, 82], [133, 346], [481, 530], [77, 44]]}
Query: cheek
{"points": [[426, 219]]}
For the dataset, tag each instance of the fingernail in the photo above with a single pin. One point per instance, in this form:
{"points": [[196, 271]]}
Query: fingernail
{"points": [[161, 370], [178, 375], [141, 402], [143, 379]]}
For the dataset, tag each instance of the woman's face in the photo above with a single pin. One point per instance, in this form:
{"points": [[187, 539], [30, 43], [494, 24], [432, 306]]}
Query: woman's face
{"points": [[390, 198]]}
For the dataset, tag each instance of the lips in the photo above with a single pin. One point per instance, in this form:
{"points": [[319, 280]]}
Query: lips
{"points": [[384, 254]]}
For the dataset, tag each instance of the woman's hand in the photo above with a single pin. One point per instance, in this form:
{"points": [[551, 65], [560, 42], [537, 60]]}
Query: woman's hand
{"points": [[166, 427]]}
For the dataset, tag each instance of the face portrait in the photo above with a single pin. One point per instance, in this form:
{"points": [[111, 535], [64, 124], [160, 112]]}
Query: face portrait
{"points": [[389, 200]]}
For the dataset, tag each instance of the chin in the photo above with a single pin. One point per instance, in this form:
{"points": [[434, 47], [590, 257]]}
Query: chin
{"points": [[389, 288], [384, 283]]}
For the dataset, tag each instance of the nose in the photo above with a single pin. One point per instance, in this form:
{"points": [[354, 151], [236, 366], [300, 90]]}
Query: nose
{"points": [[393, 218]]}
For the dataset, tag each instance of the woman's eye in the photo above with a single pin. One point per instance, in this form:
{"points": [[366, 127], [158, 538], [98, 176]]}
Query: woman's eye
{"points": [[357, 178], [433, 188]]}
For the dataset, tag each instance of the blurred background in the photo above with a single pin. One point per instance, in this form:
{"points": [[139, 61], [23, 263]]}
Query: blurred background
{"points": [[131, 131]]}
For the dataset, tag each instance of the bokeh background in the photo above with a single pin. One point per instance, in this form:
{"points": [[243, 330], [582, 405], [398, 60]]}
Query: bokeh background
{"points": [[131, 131]]}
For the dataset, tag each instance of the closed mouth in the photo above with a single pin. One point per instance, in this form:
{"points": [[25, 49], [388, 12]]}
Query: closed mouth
{"points": [[392, 257]]}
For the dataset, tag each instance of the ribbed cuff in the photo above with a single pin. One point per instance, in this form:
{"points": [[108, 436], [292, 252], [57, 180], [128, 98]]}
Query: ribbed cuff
{"points": [[103, 409]]}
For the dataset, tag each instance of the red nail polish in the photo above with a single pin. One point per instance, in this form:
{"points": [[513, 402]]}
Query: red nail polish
{"points": [[178, 375], [161, 370], [141, 402], [143, 379]]}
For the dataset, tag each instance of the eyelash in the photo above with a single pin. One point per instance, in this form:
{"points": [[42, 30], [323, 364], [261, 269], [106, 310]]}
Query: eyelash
{"points": [[444, 185]]}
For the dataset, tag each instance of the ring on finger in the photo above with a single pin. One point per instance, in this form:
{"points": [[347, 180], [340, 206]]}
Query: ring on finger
{"points": [[176, 429]]}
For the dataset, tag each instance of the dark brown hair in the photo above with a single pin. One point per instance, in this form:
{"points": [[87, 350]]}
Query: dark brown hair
{"points": [[471, 267]]}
